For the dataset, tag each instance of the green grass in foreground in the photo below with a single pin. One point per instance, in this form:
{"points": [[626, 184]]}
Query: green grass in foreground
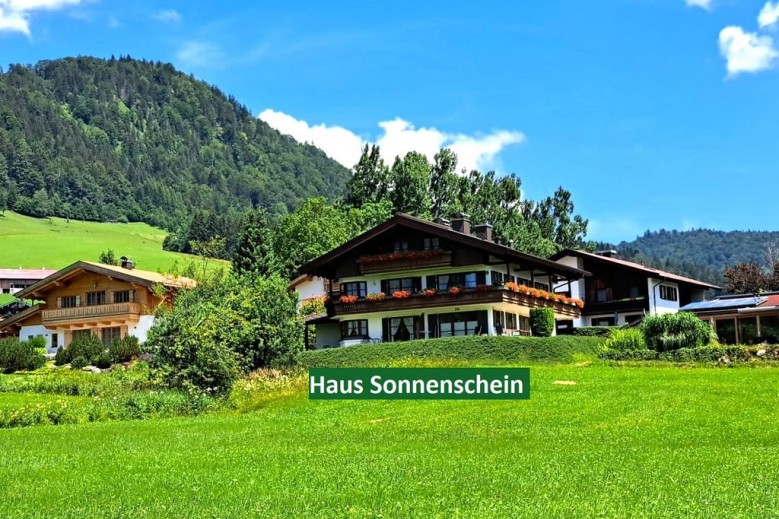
{"points": [[54, 243], [622, 442]]}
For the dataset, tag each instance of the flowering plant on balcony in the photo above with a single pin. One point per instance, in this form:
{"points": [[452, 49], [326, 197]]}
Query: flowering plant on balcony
{"points": [[402, 255], [376, 297], [455, 290], [401, 294], [348, 300], [512, 286], [313, 305], [428, 292]]}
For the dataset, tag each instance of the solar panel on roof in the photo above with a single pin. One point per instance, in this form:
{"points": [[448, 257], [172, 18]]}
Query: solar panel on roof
{"points": [[720, 304]]}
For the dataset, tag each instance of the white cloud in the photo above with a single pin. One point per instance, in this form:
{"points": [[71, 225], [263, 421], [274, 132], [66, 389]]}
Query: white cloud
{"points": [[769, 15], [167, 16], [398, 137], [746, 51], [199, 54], [15, 14], [703, 4]]}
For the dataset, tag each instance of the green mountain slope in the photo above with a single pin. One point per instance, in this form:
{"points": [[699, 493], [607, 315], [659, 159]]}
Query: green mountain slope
{"points": [[700, 253], [116, 140]]}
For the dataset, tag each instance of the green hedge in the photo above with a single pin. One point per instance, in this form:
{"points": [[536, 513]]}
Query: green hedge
{"points": [[593, 331], [542, 322], [477, 349], [724, 354]]}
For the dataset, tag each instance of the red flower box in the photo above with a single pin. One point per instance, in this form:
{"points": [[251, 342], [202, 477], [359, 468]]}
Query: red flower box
{"points": [[348, 300], [401, 294]]}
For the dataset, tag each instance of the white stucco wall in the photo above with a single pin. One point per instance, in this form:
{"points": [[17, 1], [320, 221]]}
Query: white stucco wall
{"points": [[313, 287], [28, 332], [658, 306], [577, 287], [141, 329]]}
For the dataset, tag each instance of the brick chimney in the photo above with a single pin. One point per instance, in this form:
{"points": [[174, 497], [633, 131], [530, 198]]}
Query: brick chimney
{"points": [[461, 223], [483, 231]]}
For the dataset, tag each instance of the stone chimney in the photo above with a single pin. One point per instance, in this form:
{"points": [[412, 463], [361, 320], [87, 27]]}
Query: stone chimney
{"points": [[611, 253], [461, 223], [483, 231]]}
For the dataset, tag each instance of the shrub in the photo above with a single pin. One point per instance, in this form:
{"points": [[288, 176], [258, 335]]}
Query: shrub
{"points": [[62, 357], [124, 349], [16, 355], [87, 346], [79, 362], [625, 339], [669, 332], [593, 331], [103, 361], [541, 322]]}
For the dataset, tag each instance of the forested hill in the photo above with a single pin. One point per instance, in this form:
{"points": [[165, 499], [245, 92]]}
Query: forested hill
{"points": [[702, 253], [124, 139]]}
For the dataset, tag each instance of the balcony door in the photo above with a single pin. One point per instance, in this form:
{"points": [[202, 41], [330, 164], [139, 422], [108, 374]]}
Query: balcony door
{"points": [[397, 329]]}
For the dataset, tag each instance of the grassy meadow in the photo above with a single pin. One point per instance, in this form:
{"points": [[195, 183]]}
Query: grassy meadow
{"points": [[655, 440], [54, 243]]}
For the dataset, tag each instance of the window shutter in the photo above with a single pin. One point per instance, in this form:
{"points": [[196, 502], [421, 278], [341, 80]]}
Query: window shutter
{"points": [[111, 297], [132, 295], [384, 286], [78, 300], [59, 302]]}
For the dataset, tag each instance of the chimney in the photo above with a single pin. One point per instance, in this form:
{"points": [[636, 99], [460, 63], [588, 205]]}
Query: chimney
{"points": [[461, 223], [611, 253], [442, 221], [483, 231], [127, 263]]}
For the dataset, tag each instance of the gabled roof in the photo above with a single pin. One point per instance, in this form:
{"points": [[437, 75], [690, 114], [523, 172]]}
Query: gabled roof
{"points": [[19, 317], [446, 232], [25, 273], [637, 267], [141, 277]]}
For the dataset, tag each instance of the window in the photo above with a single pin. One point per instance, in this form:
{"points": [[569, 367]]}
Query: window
{"points": [[524, 324], [541, 286], [81, 333], [354, 288], [412, 285], [55, 341], [497, 278], [603, 321], [354, 329], [430, 243], [68, 302], [511, 321], [444, 282], [123, 296], [669, 293], [400, 328], [633, 292], [400, 246], [602, 295], [96, 298], [464, 323], [109, 334]]}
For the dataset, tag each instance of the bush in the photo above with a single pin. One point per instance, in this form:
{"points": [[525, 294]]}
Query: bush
{"points": [[625, 339], [62, 357], [79, 362], [471, 349], [542, 322], [124, 349], [593, 331], [103, 361], [670, 332], [629, 355], [87, 346], [16, 355]]}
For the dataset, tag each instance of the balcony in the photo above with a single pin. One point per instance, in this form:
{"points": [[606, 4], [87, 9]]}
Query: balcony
{"points": [[406, 260], [635, 304], [115, 311], [485, 295]]}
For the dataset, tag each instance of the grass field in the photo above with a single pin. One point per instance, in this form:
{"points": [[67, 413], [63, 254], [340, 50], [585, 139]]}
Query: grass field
{"points": [[54, 243], [653, 441]]}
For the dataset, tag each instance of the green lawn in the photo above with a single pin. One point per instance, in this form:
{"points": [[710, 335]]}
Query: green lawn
{"points": [[54, 243], [648, 441]]}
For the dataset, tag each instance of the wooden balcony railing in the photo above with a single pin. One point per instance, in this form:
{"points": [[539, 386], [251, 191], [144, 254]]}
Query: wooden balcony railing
{"points": [[95, 311], [467, 297], [444, 259]]}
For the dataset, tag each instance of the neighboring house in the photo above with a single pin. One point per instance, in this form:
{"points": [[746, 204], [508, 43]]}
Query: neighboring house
{"points": [[741, 318], [409, 278], [92, 298], [621, 292], [308, 287], [15, 280]]}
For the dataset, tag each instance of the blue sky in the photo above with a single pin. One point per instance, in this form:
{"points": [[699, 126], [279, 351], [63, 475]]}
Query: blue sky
{"points": [[654, 113]]}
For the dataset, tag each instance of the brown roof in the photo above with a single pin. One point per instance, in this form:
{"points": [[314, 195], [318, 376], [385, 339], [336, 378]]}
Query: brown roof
{"points": [[21, 316], [443, 231], [142, 277], [25, 273], [657, 273]]}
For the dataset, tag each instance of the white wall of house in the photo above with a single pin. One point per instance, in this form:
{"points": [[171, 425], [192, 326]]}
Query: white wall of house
{"points": [[141, 328], [657, 305], [28, 332], [313, 287]]}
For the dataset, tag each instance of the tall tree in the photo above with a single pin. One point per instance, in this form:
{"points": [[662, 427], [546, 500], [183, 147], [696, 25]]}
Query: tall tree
{"points": [[27, 177], [442, 182], [411, 182], [253, 249], [370, 178]]}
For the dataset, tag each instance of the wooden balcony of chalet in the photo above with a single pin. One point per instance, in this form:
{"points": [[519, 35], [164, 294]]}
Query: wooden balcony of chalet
{"points": [[468, 296], [405, 260], [93, 313]]}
